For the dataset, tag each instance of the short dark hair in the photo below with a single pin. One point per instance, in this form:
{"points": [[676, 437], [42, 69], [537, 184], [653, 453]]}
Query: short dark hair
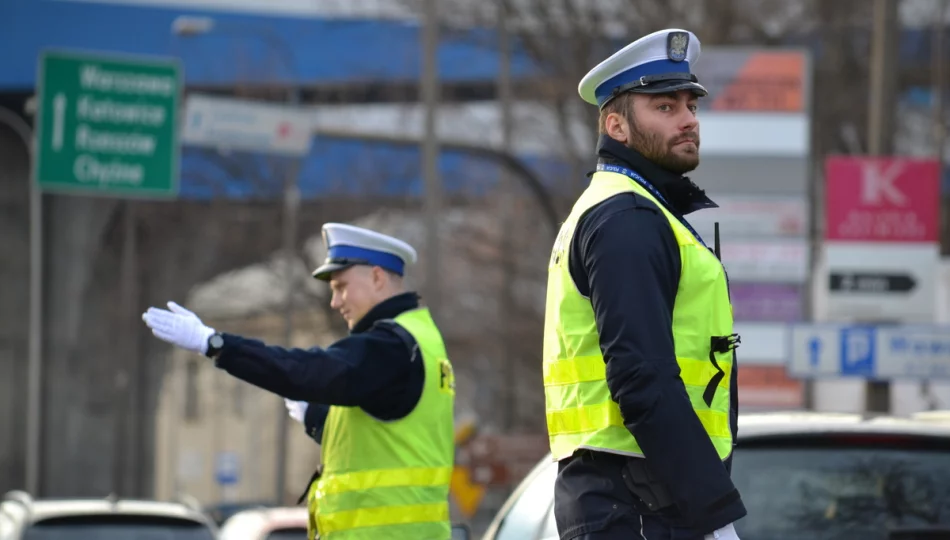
{"points": [[622, 105], [390, 273]]}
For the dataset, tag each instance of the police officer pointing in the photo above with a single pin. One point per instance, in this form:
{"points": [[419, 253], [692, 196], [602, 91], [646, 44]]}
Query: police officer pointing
{"points": [[639, 363], [381, 399]]}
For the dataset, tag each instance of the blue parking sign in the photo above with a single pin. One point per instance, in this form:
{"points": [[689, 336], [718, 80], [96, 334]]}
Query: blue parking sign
{"points": [[858, 344], [227, 470]]}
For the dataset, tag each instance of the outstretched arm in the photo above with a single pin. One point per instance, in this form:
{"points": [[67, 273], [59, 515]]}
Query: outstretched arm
{"points": [[349, 372]]}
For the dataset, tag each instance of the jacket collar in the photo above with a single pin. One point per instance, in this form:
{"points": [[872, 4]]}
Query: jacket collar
{"points": [[387, 309], [682, 194]]}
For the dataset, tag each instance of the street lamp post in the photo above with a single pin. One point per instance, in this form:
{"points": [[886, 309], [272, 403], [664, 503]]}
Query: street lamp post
{"points": [[429, 89], [35, 341]]}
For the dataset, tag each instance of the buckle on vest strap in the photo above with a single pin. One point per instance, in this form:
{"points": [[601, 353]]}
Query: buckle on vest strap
{"points": [[721, 345]]}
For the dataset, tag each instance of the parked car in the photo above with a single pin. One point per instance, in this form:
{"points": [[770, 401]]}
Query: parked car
{"points": [[25, 518], [281, 523], [221, 512], [285, 523], [804, 475]]}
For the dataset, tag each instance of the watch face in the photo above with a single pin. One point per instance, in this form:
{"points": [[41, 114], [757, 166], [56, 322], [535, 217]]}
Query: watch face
{"points": [[217, 341]]}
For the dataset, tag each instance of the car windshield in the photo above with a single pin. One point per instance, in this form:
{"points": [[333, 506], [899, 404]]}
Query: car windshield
{"points": [[118, 528], [841, 490]]}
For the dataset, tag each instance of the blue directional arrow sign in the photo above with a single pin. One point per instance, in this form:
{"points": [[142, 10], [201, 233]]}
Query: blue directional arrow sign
{"points": [[227, 470], [884, 352], [812, 351]]}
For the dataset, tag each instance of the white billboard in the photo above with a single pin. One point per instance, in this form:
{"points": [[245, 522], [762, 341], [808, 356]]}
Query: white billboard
{"points": [[886, 281], [777, 260], [238, 124], [742, 217]]}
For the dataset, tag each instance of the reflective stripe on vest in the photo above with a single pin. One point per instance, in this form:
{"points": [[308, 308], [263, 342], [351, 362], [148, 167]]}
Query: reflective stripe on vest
{"points": [[391, 479], [580, 411], [312, 510]]}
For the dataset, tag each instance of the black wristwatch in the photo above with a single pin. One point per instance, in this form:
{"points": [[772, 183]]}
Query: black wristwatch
{"points": [[215, 343]]}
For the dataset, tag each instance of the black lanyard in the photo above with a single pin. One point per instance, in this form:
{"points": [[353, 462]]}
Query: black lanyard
{"points": [[653, 191]]}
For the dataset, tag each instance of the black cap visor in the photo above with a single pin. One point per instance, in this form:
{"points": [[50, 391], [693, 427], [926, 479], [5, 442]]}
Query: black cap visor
{"points": [[671, 86], [661, 84], [326, 270]]}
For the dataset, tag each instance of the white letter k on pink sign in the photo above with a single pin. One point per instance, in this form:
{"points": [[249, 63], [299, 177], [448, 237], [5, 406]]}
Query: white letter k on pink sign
{"points": [[877, 183]]}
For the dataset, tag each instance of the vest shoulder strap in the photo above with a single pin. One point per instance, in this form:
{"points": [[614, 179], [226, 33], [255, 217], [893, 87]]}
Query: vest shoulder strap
{"points": [[410, 342]]}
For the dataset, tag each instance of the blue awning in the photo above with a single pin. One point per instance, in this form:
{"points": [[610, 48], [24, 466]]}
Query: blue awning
{"points": [[242, 47], [348, 168]]}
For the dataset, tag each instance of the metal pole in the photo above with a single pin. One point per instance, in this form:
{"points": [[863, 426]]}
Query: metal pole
{"points": [[35, 376], [939, 76], [814, 211], [135, 446], [940, 137], [429, 88], [291, 210], [876, 76], [508, 203], [35, 341], [505, 97], [124, 430], [877, 397], [940, 134]]}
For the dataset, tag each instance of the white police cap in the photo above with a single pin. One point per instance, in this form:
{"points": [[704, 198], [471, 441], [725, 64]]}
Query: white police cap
{"points": [[348, 245], [654, 64]]}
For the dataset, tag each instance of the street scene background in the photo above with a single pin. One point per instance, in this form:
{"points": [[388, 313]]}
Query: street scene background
{"points": [[191, 151]]}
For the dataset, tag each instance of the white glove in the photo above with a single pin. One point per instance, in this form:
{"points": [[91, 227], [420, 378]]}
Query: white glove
{"points": [[726, 533], [297, 409], [179, 327]]}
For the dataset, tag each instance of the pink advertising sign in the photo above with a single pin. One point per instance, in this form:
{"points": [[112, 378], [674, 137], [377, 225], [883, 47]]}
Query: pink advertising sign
{"points": [[882, 199]]}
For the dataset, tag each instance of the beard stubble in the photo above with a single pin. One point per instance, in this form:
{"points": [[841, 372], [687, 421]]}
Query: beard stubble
{"points": [[653, 147]]}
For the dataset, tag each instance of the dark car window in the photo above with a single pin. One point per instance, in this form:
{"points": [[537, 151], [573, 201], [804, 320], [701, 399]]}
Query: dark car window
{"points": [[289, 533], [121, 527], [842, 489]]}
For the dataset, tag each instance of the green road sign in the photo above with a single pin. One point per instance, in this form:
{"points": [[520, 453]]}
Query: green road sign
{"points": [[108, 124]]}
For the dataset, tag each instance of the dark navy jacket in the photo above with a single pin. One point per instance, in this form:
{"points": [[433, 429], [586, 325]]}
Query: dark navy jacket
{"points": [[625, 258], [372, 368]]}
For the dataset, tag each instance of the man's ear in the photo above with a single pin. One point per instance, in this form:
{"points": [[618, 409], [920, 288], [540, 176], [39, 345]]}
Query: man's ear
{"points": [[379, 278], [616, 127]]}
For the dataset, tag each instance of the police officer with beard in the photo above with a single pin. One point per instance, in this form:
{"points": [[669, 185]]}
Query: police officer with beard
{"points": [[639, 363]]}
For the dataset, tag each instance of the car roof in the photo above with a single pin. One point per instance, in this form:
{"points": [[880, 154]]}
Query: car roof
{"points": [[784, 423], [36, 510], [758, 425], [259, 520]]}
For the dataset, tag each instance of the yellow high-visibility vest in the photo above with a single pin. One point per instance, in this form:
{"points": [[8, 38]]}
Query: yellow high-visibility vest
{"points": [[580, 410], [390, 479]]}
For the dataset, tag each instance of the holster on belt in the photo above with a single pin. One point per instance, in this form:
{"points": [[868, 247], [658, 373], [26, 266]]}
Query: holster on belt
{"points": [[646, 487]]}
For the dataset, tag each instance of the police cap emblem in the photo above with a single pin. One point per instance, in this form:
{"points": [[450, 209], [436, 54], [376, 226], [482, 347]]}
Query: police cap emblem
{"points": [[676, 44]]}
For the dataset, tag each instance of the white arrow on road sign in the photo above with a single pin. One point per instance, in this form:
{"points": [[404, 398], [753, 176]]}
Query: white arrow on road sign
{"points": [[59, 120]]}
